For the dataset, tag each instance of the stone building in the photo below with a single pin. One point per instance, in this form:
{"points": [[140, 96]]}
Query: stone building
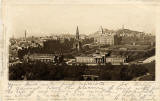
{"points": [[39, 57], [106, 37], [95, 59], [116, 60], [100, 59]]}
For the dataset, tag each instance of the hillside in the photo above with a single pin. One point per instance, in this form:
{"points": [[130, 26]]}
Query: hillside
{"points": [[118, 32]]}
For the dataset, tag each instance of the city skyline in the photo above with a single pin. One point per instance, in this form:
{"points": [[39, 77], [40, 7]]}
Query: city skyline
{"points": [[26, 34], [51, 19]]}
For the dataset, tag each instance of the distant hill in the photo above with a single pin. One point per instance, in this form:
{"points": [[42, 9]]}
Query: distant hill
{"points": [[118, 32], [128, 31]]}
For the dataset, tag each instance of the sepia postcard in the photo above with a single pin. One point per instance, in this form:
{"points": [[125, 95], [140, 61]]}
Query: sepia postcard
{"points": [[79, 50]]}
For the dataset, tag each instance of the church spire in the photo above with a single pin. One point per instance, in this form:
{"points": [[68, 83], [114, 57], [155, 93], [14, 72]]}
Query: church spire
{"points": [[77, 33], [77, 43]]}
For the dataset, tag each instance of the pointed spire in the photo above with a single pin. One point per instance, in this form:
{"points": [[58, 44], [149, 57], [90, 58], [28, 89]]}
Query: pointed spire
{"points": [[77, 44], [77, 33]]}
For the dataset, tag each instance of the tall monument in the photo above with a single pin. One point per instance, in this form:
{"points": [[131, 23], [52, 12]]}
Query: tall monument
{"points": [[77, 43], [77, 33]]}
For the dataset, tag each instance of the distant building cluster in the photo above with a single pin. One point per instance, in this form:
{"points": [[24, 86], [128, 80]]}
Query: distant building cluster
{"points": [[76, 43], [128, 33]]}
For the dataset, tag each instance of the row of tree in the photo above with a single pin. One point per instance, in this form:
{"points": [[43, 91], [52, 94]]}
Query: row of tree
{"points": [[43, 71]]}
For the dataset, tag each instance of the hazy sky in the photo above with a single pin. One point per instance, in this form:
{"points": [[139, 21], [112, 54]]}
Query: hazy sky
{"points": [[43, 19]]}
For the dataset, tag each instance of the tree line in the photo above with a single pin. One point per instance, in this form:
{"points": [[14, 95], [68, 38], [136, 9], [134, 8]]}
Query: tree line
{"points": [[48, 71]]}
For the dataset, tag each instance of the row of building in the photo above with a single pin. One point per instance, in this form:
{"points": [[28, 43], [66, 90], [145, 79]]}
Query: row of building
{"points": [[48, 58], [96, 59], [101, 59]]}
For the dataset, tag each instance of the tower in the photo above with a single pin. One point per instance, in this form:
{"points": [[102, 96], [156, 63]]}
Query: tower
{"points": [[77, 33], [77, 43]]}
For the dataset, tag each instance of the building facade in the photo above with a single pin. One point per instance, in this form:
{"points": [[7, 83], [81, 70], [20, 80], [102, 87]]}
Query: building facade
{"points": [[40, 57], [115, 60], [97, 59], [54, 58], [85, 60], [101, 59], [106, 37]]}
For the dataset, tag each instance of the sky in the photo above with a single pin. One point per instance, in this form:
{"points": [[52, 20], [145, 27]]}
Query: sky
{"points": [[46, 19]]}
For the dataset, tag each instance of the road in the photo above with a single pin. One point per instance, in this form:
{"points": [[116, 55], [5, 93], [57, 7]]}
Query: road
{"points": [[145, 77], [150, 59]]}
